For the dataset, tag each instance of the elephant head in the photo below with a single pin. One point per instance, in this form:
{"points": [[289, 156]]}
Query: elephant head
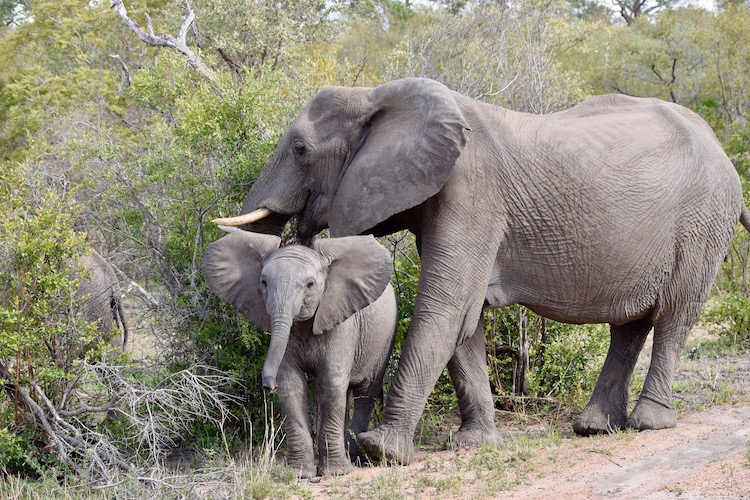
{"points": [[275, 287], [355, 157]]}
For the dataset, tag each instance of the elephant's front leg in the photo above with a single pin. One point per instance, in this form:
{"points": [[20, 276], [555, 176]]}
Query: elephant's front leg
{"points": [[293, 402], [332, 405], [452, 288], [468, 370]]}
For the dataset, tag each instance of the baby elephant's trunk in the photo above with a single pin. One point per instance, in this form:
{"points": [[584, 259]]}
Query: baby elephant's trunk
{"points": [[279, 339]]}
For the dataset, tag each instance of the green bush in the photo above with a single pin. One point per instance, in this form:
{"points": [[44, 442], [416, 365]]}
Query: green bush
{"points": [[564, 360], [567, 366], [727, 312], [24, 455], [729, 319]]}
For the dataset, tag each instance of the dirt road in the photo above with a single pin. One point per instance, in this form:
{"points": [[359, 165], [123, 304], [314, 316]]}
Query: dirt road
{"points": [[706, 456]]}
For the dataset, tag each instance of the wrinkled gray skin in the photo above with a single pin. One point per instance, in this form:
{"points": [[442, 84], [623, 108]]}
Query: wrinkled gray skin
{"points": [[332, 313], [618, 210], [103, 296]]}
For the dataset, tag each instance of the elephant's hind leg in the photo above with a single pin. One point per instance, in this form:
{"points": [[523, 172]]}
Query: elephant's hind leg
{"points": [[654, 407], [468, 370], [698, 262], [607, 408]]}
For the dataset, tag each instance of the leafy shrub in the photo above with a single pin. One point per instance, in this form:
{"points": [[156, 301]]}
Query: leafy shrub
{"points": [[729, 319], [564, 360], [24, 454], [567, 366]]}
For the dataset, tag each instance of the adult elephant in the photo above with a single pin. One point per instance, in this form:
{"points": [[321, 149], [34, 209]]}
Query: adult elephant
{"points": [[618, 210], [99, 290]]}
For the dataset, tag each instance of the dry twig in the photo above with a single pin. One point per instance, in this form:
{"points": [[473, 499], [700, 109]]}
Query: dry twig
{"points": [[155, 417]]}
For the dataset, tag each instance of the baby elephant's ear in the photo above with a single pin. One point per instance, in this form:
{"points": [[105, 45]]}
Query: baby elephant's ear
{"points": [[232, 266], [358, 272]]}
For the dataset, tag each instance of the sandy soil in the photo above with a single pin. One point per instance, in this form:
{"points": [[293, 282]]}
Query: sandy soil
{"points": [[706, 456]]}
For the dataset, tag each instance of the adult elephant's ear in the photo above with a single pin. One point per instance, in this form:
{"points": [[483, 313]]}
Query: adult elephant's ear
{"points": [[232, 266], [359, 269], [412, 134]]}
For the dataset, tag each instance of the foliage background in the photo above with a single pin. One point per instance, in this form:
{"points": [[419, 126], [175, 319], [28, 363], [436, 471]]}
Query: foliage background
{"points": [[107, 142]]}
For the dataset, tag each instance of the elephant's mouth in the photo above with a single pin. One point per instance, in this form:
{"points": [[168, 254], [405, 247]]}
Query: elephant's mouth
{"points": [[305, 313], [309, 222], [263, 221], [273, 223]]}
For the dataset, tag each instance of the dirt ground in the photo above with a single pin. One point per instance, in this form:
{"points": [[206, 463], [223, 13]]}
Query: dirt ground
{"points": [[706, 456]]}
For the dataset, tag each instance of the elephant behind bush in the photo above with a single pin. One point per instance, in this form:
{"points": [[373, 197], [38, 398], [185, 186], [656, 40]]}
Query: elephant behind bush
{"points": [[100, 291]]}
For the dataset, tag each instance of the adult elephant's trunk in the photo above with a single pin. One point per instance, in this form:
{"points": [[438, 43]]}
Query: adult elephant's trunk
{"points": [[280, 328]]}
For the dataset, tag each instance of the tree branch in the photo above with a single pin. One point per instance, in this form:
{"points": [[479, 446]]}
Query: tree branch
{"points": [[92, 409], [39, 417], [126, 80], [153, 303], [169, 41]]}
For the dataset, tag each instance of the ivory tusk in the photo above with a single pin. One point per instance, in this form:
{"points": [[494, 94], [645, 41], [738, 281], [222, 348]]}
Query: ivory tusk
{"points": [[229, 229], [241, 220]]}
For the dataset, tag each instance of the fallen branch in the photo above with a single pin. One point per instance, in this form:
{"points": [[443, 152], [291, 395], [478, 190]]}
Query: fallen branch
{"points": [[14, 390], [155, 418], [159, 415]]}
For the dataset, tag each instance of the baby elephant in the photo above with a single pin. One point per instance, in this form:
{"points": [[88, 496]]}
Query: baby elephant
{"points": [[332, 313]]}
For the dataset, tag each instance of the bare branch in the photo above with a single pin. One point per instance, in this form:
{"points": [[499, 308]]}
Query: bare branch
{"points": [[156, 416], [92, 409], [185, 25], [169, 41], [150, 24], [15, 390], [126, 79], [153, 303]]}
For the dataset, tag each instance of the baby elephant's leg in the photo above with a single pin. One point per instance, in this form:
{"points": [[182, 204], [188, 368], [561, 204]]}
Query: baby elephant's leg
{"points": [[293, 402], [331, 398]]}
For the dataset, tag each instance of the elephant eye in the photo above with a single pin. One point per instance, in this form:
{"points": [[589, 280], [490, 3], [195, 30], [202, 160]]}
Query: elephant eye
{"points": [[263, 283], [299, 150], [310, 284]]}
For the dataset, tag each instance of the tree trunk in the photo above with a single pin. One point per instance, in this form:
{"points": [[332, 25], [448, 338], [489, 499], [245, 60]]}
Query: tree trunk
{"points": [[520, 386]]}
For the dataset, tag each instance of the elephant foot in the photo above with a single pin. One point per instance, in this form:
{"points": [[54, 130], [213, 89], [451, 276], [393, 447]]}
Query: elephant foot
{"points": [[385, 445], [304, 470], [356, 455], [596, 421], [334, 467], [477, 436], [651, 415]]}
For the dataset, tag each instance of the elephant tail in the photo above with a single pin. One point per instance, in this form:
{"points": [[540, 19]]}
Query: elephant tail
{"points": [[120, 319], [745, 218]]}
